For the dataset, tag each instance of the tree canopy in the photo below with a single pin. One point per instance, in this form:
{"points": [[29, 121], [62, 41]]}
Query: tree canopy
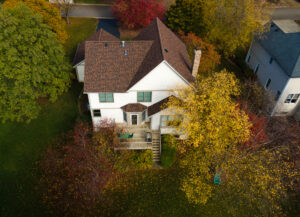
{"points": [[227, 23], [137, 13], [51, 15], [223, 143], [210, 57], [32, 66]]}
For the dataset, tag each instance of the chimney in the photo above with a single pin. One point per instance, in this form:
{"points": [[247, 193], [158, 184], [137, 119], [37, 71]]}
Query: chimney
{"points": [[196, 61]]}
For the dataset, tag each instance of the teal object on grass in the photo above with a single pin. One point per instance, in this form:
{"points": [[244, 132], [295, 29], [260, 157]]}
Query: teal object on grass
{"points": [[217, 179]]}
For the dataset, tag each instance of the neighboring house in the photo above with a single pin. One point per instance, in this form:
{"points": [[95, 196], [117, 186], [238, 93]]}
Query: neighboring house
{"points": [[275, 58], [130, 81]]}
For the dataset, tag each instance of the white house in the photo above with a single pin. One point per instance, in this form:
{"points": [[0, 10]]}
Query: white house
{"points": [[129, 81], [275, 58]]}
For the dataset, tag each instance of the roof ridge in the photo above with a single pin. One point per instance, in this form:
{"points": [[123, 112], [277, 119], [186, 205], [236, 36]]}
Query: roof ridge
{"points": [[159, 36], [100, 33]]}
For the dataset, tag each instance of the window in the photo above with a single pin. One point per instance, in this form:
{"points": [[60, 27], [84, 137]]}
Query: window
{"points": [[248, 59], [144, 115], [268, 83], [277, 95], [106, 97], [292, 98], [256, 68], [97, 113], [144, 96], [271, 60], [165, 119], [125, 116]]}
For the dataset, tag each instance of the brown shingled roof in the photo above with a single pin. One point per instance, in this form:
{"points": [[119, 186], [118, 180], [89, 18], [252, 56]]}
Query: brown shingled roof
{"points": [[134, 107], [101, 35], [157, 107], [109, 67], [167, 46]]}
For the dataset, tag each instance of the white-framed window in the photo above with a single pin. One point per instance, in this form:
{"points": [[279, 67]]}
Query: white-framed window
{"points": [[96, 113], [144, 96], [256, 68], [165, 120], [106, 97], [268, 83], [292, 98]]}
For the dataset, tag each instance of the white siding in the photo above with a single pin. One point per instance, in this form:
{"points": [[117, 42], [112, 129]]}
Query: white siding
{"points": [[160, 81], [292, 87], [163, 77], [80, 72]]}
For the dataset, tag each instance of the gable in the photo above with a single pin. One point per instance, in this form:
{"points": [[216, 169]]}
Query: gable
{"points": [[162, 77]]}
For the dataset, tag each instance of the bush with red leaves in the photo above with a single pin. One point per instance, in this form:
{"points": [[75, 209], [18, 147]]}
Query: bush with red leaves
{"points": [[134, 14]]}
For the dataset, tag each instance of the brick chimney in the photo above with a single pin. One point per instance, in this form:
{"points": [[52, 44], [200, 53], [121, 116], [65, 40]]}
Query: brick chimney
{"points": [[196, 61]]}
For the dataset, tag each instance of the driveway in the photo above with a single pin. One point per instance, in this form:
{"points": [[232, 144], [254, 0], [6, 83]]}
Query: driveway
{"points": [[286, 13], [92, 11]]}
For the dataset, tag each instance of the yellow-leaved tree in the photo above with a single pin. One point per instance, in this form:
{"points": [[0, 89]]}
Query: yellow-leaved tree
{"points": [[50, 14], [214, 164]]}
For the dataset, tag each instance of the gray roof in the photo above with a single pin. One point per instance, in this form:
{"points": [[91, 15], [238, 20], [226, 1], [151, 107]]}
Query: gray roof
{"points": [[282, 42]]}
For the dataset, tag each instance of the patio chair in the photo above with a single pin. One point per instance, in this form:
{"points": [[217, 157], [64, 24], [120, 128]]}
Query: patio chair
{"points": [[130, 136]]}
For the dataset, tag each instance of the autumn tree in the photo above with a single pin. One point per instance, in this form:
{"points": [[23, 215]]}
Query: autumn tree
{"points": [[50, 14], [64, 6], [33, 64], [74, 173], [230, 24], [137, 13], [216, 166], [210, 57]]}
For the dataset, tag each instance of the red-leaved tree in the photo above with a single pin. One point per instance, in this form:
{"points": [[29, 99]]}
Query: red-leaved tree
{"points": [[137, 13], [74, 173], [210, 58]]}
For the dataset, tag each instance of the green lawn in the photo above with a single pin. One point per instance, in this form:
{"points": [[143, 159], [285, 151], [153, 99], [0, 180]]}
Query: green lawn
{"points": [[79, 30], [168, 151], [153, 193], [21, 144]]}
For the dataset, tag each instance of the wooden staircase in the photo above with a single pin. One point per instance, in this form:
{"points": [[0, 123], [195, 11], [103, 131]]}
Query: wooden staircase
{"points": [[156, 146]]}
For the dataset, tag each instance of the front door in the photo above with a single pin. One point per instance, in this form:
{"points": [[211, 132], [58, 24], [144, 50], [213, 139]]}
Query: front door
{"points": [[133, 119]]}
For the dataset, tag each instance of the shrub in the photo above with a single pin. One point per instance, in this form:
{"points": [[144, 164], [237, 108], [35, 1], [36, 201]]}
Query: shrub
{"points": [[137, 13], [133, 159]]}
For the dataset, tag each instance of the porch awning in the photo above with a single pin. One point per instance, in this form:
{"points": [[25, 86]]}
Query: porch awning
{"points": [[134, 107]]}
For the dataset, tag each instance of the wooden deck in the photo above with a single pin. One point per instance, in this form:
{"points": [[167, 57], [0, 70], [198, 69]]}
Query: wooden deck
{"points": [[139, 142]]}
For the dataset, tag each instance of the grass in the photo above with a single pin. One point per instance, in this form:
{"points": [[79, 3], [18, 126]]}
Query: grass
{"points": [[168, 151], [21, 144], [78, 30], [153, 193]]}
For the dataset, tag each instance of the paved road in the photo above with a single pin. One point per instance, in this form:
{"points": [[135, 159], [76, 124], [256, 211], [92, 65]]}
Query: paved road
{"points": [[101, 11], [93, 11], [286, 13]]}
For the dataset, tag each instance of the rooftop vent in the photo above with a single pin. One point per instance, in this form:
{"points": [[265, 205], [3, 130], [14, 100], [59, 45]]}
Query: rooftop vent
{"points": [[106, 45], [125, 52], [166, 50], [123, 43]]}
